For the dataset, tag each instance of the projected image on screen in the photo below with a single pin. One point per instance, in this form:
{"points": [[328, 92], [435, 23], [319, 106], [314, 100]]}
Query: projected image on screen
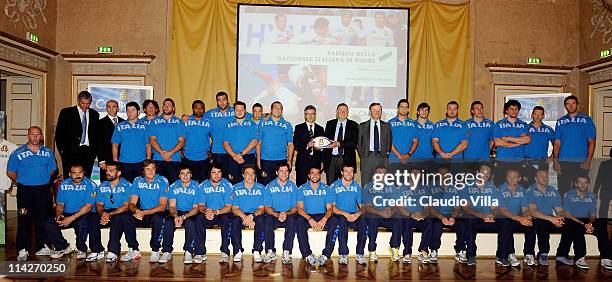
{"points": [[322, 56]]}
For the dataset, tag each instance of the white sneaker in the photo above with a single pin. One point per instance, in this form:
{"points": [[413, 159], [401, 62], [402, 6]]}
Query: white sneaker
{"points": [[238, 257], [343, 259], [59, 254], [188, 258], [257, 256], [461, 257], [406, 259], [312, 260], [132, 255], [81, 255], [423, 257], [606, 263], [224, 258], [287, 257], [45, 251], [581, 263], [514, 262], [199, 259], [23, 255], [433, 256], [95, 257], [322, 259], [166, 256], [373, 257], [154, 257], [395, 256], [360, 259], [271, 255], [529, 260], [111, 257]]}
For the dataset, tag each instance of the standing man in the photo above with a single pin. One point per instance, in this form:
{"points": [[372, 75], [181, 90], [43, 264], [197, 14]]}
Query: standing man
{"points": [[106, 127], [74, 134], [257, 113], [480, 134], [307, 155], [276, 143], [239, 141], [167, 138], [536, 152], [219, 117], [197, 141], [511, 135], [374, 143], [31, 167], [574, 144], [131, 143], [449, 137], [151, 110], [344, 133], [424, 151], [405, 134]]}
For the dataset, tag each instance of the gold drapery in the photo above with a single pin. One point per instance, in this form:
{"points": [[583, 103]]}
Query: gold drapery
{"points": [[202, 59]]}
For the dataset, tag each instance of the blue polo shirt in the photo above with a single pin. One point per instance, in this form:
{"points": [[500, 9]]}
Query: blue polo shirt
{"points": [[580, 207], [215, 198], [480, 134], [574, 134], [545, 201], [186, 197], [315, 200], [248, 200], [167, 133], [346, 198], [114, 197], [218, 121], [414, 197], [239, 135], [513, 129], [197, 138], [450, 135], [32, 169], [403, 134], [147, 121], [481, 200], [275, 135], [150, 193], [280, 198], [424, 150], [74, 196], [376, 197], [132, 139], [540, 137], [513, 202], [444, 194]]}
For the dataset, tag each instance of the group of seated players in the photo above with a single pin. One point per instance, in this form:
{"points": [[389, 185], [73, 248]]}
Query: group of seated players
{"points": [[151, 201]]}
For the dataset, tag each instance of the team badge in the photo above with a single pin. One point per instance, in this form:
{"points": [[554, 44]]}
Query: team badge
{"points": [[263, 174], [4, 148]]}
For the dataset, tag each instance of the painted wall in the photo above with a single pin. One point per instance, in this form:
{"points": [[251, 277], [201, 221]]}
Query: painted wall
{"points": [[45, 28]]}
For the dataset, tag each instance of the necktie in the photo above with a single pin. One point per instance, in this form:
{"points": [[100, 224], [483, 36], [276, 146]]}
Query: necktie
{"points": [[376, 139], [84, 127], [340, 138], [310, 135], [115, 121]]}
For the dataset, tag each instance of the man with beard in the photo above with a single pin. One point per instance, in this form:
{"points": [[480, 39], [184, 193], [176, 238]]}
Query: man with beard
{"points": [[219, 117], [480, 134], [197, 141], [276, 143], [574, 144], [167, 138], [307, 155], [424, 151], [112, 199], [511, 134], [239, 140], [131, 143], [405, 134], [449, 137]]}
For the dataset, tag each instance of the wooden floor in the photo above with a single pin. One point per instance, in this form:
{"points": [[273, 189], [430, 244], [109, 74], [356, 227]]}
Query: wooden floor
{"points": [[445, 270]]}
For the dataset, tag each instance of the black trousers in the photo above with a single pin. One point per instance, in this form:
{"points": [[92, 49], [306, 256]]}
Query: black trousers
{"points": [[574, 233], [169, 170], [116, 230], [302, 166], [54, 231], [34, 208], [199, 169], [543, 229], [130, 171], [268, 171], [83, 155], [569, 172]]}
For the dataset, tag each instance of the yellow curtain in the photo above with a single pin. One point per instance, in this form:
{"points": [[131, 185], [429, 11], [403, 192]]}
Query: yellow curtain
{"points": [[202, 57]]}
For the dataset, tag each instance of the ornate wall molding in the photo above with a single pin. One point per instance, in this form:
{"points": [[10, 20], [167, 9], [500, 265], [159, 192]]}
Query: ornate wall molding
{"points": [[599, 70], [540, 75], [110, 68], [22, 58]]}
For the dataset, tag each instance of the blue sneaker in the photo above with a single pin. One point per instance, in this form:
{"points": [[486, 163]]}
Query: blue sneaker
{"points": [[564, 260], [543, 259]]}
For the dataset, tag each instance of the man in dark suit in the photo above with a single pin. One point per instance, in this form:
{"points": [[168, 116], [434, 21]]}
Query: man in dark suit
{"points": [[307, 156], [106, 127], [75, 134], [374, 143], [345, 133]]}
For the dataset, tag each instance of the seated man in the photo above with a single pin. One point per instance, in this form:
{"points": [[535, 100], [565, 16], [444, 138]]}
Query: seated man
{"points": [[347, 211], [580, 206], [414, 217], [380, 214], [514, 215], [183, 208], [215, 204], [75, 200], [112, 200], [148, 202], [481, 210], [547, 212], [314, 203], [279, 201], [446, 215], [248, 207]]}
